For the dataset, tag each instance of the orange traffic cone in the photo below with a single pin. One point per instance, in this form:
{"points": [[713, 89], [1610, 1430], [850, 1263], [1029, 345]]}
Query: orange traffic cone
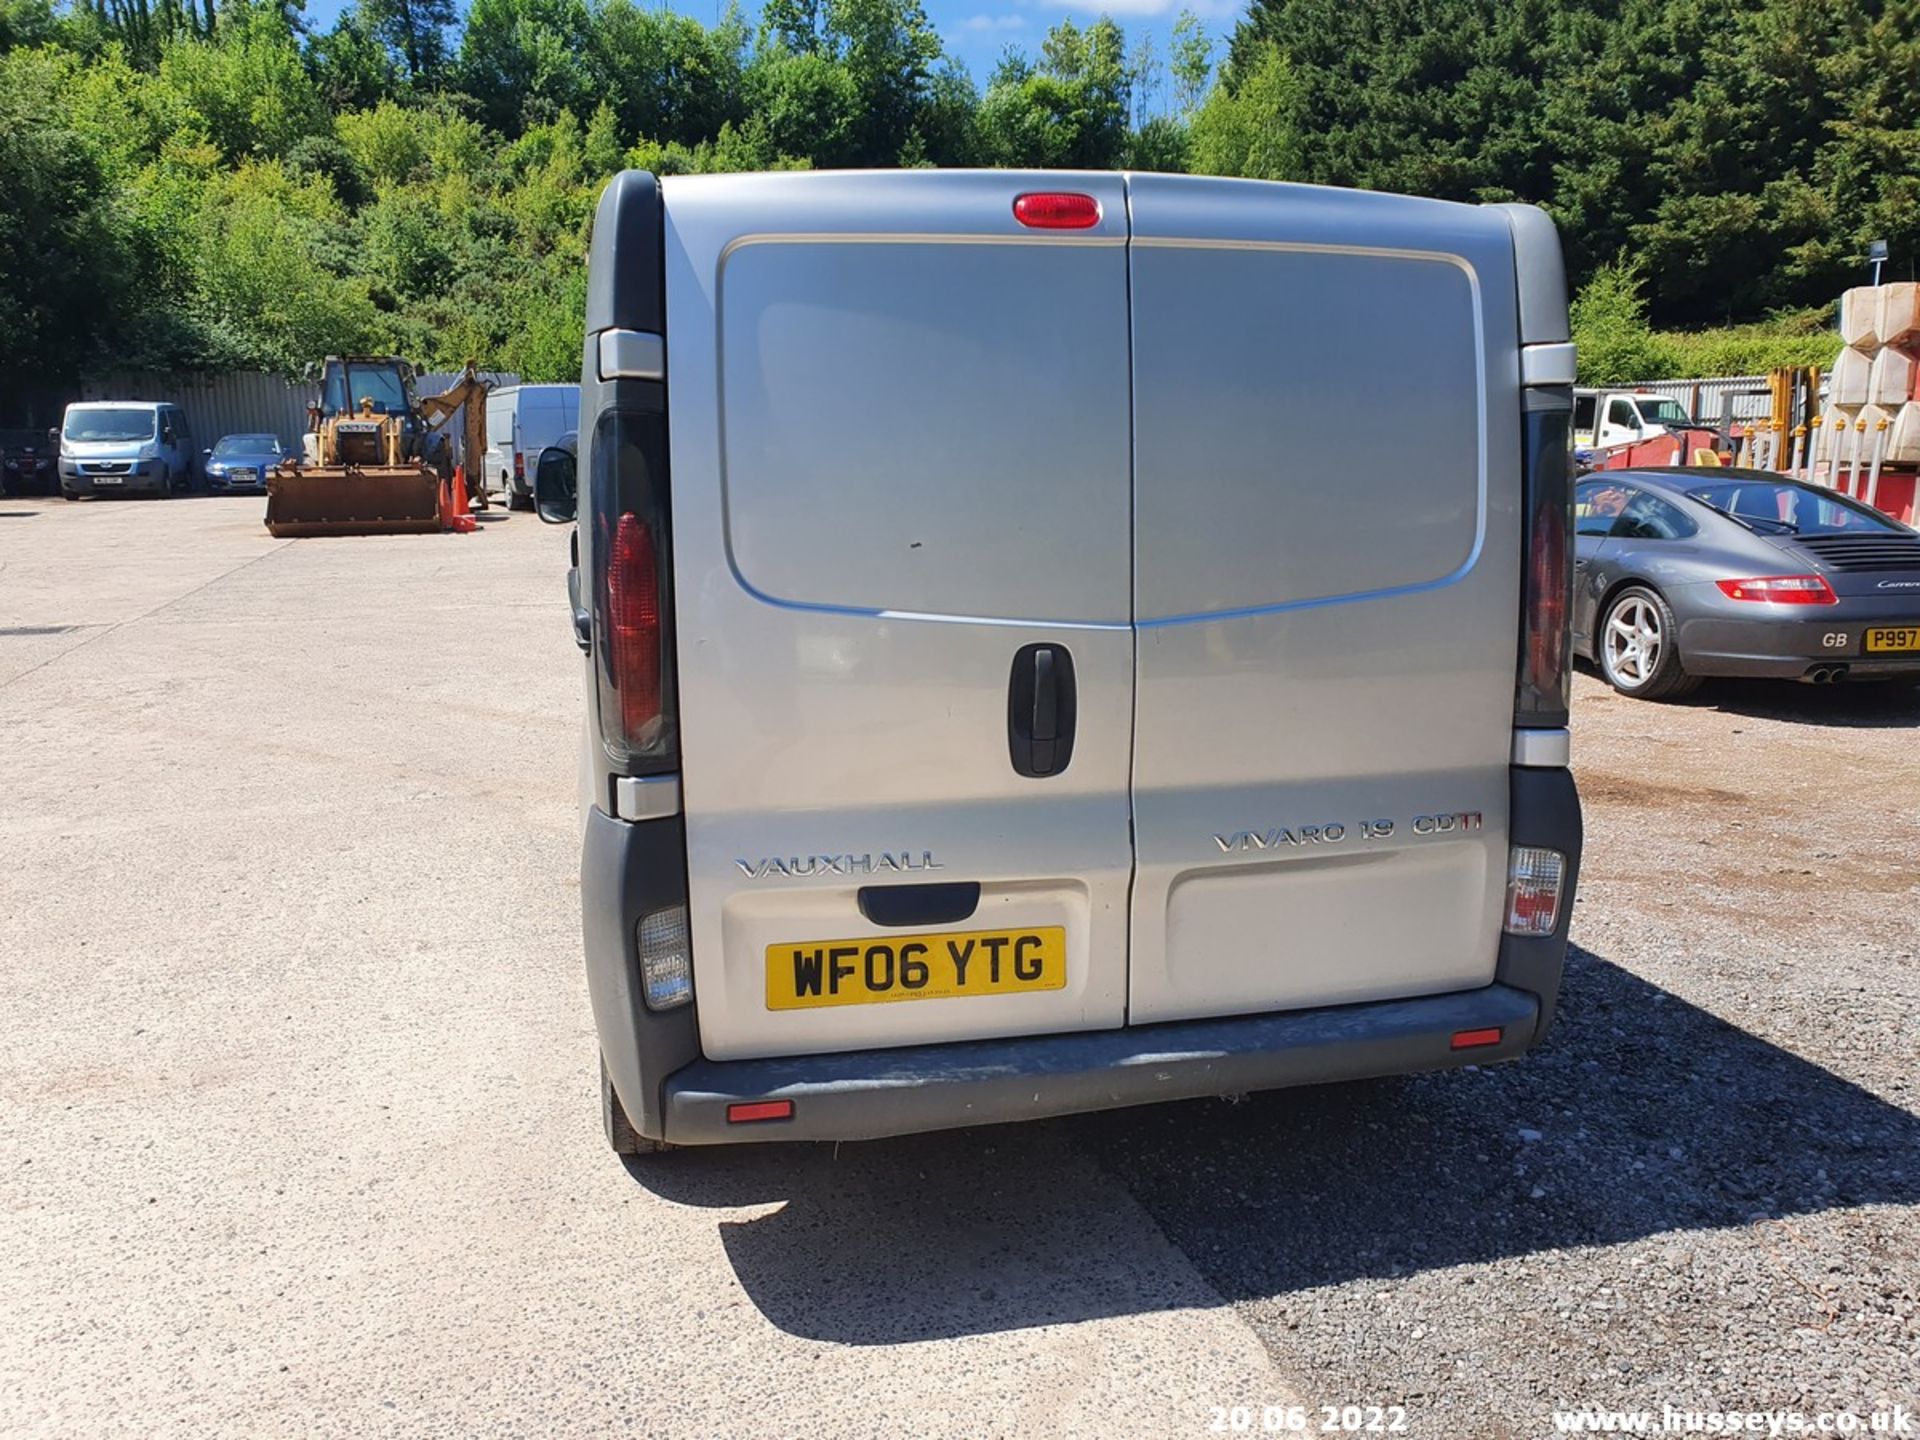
{"points": [[460, 521]]}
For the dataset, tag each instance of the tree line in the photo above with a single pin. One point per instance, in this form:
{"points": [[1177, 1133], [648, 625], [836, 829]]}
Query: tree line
{"points": [[185, 183]]}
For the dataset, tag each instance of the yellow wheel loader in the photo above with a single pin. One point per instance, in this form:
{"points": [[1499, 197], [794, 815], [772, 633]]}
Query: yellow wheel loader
{"points": [[375, 460]]}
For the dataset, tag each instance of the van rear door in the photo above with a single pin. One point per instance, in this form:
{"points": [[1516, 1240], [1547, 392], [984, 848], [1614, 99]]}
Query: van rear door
{"points": [[900, 484], [1326, 549]]}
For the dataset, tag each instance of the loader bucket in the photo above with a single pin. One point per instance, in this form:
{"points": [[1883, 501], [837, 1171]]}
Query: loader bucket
{"points": [[353, 500]]}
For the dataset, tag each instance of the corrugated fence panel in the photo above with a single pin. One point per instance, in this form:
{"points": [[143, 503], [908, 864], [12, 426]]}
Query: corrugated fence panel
{"points": [[236, 402], [1707, 399]]}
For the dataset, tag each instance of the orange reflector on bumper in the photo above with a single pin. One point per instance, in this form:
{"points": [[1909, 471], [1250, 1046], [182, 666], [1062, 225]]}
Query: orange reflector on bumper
{"points": [[761, 1110], [1474, 1039]]}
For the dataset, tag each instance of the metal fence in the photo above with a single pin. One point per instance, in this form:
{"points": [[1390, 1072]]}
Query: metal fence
{"points": [[231, 403], [1737, 397]]}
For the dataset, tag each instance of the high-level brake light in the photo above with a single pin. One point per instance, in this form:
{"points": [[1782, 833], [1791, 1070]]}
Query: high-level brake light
{"points": [[1057, 210]]}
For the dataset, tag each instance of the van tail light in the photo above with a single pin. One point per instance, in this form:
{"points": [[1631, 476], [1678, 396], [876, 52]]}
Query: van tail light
{"points": [[1057, 210], [1781, 589], [633, 623], [666, 958], [630, 563], [1541, 695], [1534, 879], [519, 465]]}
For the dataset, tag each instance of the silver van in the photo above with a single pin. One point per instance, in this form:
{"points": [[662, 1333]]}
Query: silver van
{"points": [[120, 447], [1029, 669]]}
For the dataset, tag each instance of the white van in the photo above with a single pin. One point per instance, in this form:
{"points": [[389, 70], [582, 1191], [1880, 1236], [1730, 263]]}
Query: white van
{"points": [[1023, 676], [1605, 418], [522, 420]]}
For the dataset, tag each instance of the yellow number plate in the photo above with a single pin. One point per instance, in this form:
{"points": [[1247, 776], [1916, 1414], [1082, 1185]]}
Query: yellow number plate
{"points": [[1894, 637], [939, 965]]}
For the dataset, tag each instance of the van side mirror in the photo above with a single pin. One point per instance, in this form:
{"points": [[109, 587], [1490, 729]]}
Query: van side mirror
{"points": [[555, 486]]}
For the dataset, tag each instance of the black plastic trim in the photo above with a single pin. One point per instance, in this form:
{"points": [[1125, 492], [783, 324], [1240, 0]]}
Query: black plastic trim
{"points": [[627, 869], [626, 271], [946, 903]]}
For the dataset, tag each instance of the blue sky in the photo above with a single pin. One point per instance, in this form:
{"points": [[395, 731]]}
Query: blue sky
{"points": [[976, 31]]}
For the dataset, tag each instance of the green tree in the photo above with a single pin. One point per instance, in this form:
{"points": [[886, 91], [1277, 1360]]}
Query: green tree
{"points": [[1249, 125], [414, 30], [1069, 111], [526, 59], [666, 75], [350, 67], [1191, 62]]}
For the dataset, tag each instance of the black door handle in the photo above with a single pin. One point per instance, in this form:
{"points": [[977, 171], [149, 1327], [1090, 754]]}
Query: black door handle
{"points": [[1040, 710]]}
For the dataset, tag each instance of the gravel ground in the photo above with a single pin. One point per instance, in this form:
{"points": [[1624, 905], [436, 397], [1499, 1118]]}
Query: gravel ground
{"points": [[300, 1136]]}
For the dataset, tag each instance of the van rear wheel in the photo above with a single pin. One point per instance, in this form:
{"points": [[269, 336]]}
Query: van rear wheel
{"points": [[621, 1135]]}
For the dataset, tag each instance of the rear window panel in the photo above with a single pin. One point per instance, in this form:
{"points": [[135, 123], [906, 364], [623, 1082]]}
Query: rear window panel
{"points": [[936, 428], [1309, 425]]}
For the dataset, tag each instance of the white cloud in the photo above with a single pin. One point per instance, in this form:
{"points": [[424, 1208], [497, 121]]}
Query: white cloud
{"points": [[994, 22]]}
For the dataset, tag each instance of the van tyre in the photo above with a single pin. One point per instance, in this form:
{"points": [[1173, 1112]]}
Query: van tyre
{"points": [[1639, 647], [621, 1135]]}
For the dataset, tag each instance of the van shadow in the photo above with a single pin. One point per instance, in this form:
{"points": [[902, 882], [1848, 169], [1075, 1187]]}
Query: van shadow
{"points": [[1642, 1114]]}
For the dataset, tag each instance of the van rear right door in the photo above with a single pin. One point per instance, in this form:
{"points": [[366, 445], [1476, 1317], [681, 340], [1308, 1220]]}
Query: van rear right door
{"points": [[1326, 552]]}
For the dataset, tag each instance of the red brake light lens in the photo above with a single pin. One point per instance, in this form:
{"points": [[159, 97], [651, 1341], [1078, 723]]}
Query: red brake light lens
{"points": [[1057, 210], [1781, 589], [633, 616], [519, 465]]}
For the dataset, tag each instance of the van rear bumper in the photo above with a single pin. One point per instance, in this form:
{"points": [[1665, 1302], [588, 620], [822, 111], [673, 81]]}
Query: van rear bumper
{"points": [[872, 1093]]}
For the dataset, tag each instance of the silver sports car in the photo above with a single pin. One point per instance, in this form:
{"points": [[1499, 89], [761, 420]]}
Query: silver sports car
{"points": [[1684, 573]]}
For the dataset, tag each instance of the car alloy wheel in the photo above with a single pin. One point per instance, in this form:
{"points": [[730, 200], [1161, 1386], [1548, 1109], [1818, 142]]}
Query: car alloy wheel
{"points": [[1639, 647], [1635, 642]]}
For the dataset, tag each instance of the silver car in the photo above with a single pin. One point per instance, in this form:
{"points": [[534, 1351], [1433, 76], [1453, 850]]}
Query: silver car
{"points": [[1022, 674], [1686, 573]]}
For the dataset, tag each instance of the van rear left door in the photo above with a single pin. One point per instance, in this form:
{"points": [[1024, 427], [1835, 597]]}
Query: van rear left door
{"points": [[900, 456]]}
